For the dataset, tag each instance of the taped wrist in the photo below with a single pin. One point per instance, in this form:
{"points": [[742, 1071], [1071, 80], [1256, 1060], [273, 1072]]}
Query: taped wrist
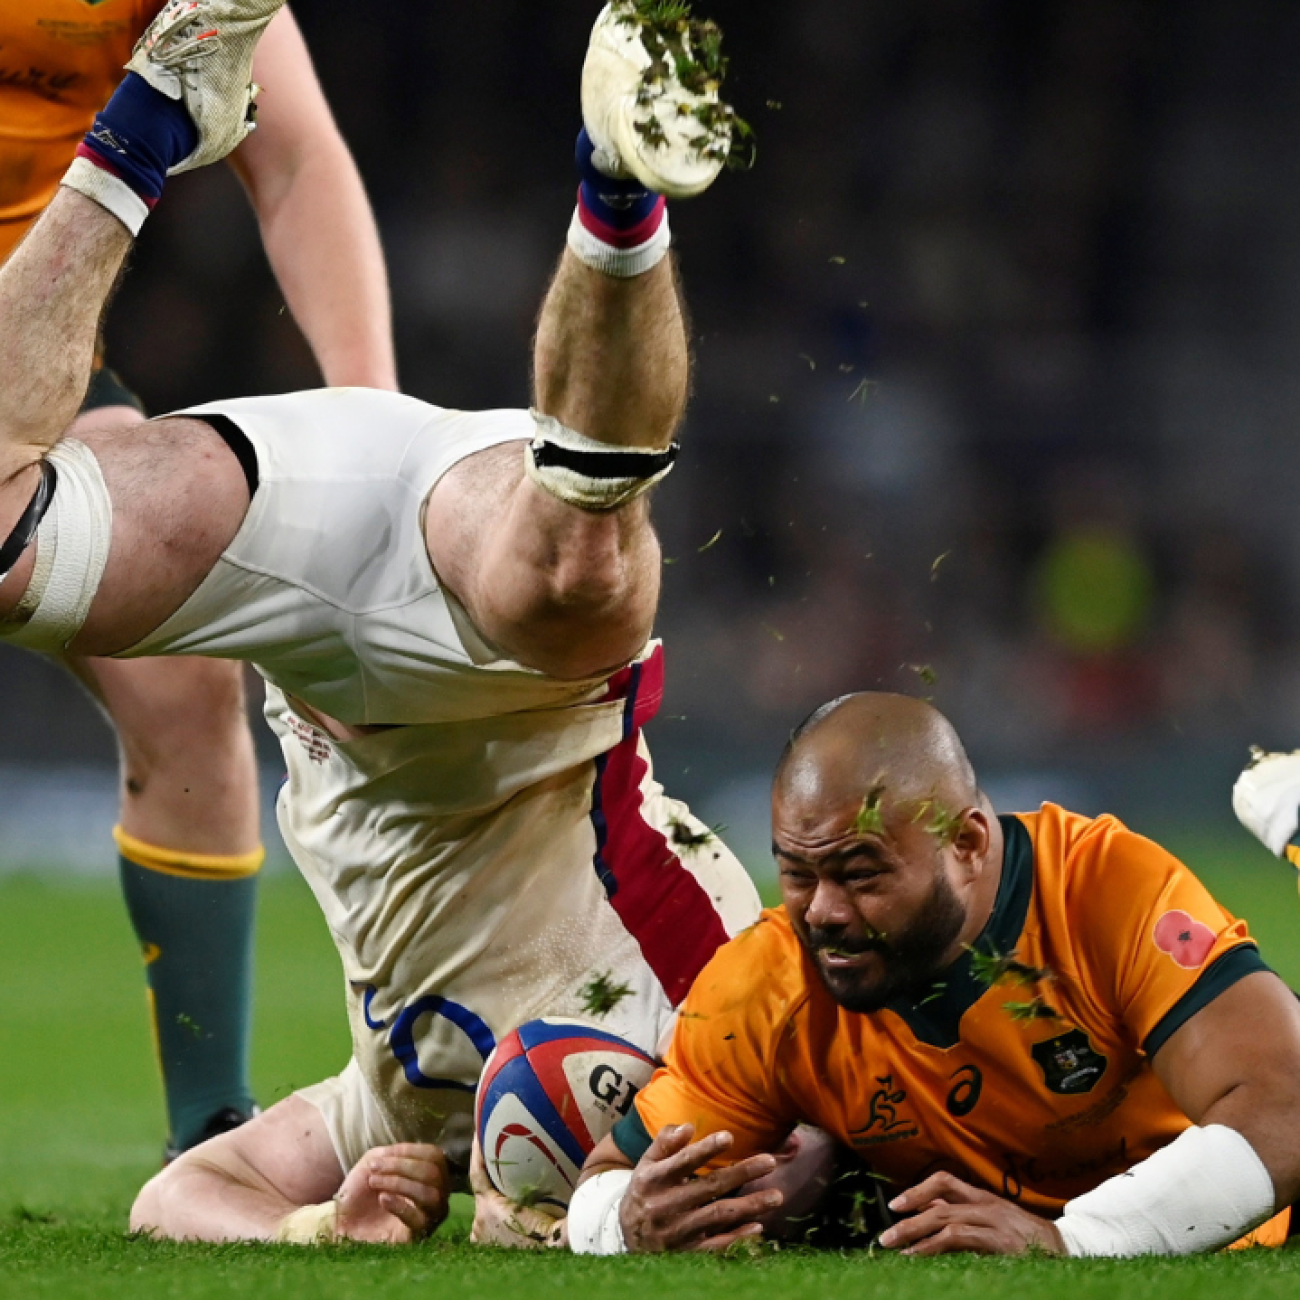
{"points": [[594, 1224], [1204, 1190], [310, 1225], [589, 474]]}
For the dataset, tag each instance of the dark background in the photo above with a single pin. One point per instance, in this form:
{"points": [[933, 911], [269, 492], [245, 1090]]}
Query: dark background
{"points": [[996, 390]]}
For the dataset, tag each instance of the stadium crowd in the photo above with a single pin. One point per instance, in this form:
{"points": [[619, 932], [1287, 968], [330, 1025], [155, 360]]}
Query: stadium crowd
{"points": [[1021, 318]]}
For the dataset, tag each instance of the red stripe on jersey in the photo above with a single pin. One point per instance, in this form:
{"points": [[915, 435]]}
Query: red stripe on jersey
{"points": [[662, 906]]}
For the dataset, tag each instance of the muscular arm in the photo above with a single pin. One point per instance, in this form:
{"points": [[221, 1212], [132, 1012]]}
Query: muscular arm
{"points": [[316, 222], [1237, 1063]]}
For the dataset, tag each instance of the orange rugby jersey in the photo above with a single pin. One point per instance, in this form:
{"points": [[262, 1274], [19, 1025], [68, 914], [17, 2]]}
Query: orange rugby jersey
{"points": [[60, 61], [1032, 1080]]}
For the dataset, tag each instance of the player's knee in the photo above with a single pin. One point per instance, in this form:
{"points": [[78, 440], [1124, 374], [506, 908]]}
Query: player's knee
{"points": [[605, 571], [146, 1211]]}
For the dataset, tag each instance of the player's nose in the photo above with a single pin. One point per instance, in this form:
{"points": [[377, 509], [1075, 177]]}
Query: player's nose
{"points": [[829, 907]]}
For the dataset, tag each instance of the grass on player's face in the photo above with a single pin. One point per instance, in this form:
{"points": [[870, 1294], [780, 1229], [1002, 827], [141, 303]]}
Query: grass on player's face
{"points": [[81, 1129]]}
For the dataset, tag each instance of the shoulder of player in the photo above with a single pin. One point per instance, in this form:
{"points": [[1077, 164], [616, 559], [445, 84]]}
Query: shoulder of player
{"points": [[1074, 848], [760, 970]]}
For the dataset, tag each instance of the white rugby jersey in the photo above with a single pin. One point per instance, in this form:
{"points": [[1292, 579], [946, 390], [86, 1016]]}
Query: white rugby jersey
{"points": [[502, 851]]}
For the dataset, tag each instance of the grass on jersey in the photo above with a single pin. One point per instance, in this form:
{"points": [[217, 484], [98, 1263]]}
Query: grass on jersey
{"points": [[81, 1128]]}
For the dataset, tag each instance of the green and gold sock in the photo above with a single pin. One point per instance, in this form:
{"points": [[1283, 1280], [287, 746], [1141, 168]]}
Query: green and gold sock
{"points": [[193, 915]]}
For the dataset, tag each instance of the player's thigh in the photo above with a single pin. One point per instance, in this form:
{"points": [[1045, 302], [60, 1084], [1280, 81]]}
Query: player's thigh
{"points": [[173, 710]]}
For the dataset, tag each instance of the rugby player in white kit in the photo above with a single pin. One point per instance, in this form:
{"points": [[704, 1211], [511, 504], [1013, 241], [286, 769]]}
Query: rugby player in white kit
{"points": [[451, 611]]}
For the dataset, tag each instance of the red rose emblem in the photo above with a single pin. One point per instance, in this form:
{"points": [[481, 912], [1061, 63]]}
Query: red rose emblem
{"points": [[1188, 942]]}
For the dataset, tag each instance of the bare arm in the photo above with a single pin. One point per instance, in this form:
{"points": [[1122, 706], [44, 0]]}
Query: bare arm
{"points": [[317, 227], [1237, 1062], [244, 1184]]}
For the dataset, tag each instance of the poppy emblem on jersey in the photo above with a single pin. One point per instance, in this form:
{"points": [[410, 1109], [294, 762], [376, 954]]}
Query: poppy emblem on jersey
{"points": [[1069, 1062], [1187, 941]]}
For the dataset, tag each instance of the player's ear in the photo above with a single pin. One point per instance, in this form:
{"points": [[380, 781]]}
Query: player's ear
{"points": [[971, 837]]}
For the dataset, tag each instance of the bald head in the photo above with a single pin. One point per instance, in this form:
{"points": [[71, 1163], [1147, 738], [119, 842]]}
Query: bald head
{"points": [[887, 751], [889, 856]]}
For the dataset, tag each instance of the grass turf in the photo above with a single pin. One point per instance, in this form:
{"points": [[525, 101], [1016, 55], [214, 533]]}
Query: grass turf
{"points": [[81, 1128]]}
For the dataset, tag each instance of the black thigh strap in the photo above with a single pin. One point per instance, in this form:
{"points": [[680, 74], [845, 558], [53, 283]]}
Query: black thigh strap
{"points": [[237, 440], [24, 532]]}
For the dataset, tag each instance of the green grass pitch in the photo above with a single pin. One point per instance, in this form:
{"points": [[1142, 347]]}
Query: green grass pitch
{"points": [[81, 1128]]}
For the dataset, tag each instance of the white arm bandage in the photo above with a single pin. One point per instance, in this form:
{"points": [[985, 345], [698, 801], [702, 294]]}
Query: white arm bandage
{"points": [[309, 1225], [1202, 1191], [594, 1226]]}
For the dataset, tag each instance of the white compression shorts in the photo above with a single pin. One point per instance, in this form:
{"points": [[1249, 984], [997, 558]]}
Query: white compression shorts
{"points": [[71, 554]]}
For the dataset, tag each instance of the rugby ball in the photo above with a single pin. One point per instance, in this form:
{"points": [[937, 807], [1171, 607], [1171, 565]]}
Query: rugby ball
{"points": [[549, 1092]]}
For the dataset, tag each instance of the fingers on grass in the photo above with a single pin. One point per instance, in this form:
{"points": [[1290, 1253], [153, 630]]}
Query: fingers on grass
{"points": [[717, 1245]]}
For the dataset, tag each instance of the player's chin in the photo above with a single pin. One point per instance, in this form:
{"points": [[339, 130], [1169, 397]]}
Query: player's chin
{"points": [[856, 987]]}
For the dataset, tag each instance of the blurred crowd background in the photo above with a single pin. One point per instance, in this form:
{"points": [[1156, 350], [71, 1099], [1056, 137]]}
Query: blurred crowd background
{"points": [[996, 400]]}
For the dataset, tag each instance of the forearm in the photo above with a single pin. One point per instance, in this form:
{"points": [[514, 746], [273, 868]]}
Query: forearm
{"points": [[1201, 1192], [52, 294], [321, 241], [1264, 1112]]}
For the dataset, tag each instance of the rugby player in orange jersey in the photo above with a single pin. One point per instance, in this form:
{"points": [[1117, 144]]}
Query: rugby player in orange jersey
{"points": [[1040, 1029], [189, 838]]}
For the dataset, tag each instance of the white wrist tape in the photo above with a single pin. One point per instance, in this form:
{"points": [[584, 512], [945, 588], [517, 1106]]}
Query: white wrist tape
{"points": [[310, 1225], [622, 263], [111, 192], [589, 474], [1202, 1191], [594, 1225]]}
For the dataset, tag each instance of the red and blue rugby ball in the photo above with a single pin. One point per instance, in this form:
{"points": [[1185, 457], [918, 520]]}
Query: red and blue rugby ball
{"points": [[549, 1092]]}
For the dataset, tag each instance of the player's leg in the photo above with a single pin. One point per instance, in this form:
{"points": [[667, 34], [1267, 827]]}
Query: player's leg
{"points": [[281, 1178], [188, 849], [52, 293], [189, 854], [186, 102], [555, 559]]}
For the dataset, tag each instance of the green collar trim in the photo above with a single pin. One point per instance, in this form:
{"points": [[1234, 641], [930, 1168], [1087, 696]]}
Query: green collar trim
{"points": [[935, 1016]]}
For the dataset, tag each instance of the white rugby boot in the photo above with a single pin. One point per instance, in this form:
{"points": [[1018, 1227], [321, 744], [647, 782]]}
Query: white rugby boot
{"points": [[1266, 799], [650, 97], [201, 53]]}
